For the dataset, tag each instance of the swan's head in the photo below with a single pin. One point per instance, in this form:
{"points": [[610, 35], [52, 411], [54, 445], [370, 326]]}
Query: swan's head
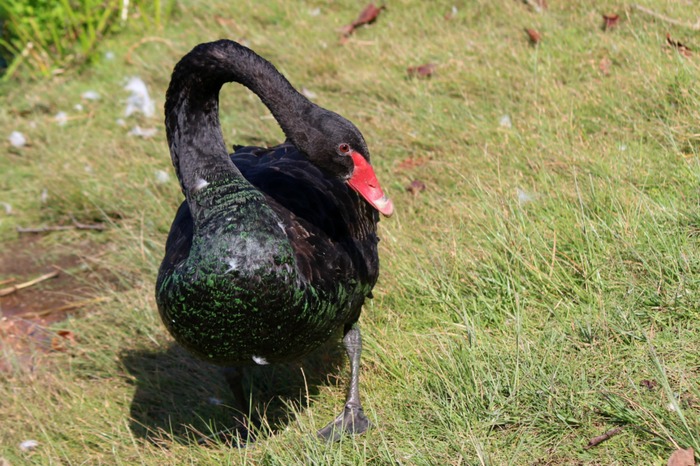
{"points": [[337, 147]]}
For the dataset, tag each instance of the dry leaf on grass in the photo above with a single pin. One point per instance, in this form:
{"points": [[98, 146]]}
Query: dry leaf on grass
{"points": [[422, 71], [604, 65], [67, 334], [648, 384], [595, 441], [415, 187], [367, 16], [682, 48], [534, 36], [682, 457], [610, 21], [58, 343]]}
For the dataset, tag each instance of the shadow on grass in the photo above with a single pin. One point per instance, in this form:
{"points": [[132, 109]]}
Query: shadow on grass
{"points": [[179, 398]]}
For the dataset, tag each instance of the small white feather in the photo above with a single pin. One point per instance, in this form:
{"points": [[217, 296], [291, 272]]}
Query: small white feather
{"points": [[260, 360], [200, 184]]}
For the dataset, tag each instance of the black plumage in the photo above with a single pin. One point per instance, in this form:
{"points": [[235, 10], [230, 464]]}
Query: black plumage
{"points": [[274, 249]]}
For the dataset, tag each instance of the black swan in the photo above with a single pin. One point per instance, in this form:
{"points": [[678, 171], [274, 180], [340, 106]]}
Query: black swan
{"points": [[274, 250]]}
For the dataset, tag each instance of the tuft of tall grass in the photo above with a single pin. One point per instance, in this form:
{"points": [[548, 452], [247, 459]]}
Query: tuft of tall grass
{"points": [[41, 37]]}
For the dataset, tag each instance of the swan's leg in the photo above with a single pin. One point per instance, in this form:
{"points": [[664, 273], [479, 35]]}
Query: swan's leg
{"points": [[240, 434], [352, 420]]}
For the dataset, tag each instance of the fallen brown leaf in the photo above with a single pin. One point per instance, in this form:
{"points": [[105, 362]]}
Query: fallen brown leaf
{"points": [[682, 457], [595, 441], [58, 343], [682, 48], [415, 187], [604, 65], [648, 384], [367, 16], [534, 36], [611, 21], [67, 334], [422, 71]]}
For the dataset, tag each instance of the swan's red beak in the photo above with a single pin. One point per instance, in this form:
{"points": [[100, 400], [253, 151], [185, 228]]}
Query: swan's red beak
{"points": [[364, 181]]}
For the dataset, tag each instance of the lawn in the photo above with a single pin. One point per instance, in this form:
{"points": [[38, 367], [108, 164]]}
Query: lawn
{"points": [[540, 278]]}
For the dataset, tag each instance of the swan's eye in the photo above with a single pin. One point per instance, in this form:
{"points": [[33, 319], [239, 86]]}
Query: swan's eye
{"points": [[344, 148]]}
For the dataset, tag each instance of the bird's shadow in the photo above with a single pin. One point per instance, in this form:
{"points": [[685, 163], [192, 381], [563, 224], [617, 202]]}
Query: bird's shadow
{"points": [[179, 398]]}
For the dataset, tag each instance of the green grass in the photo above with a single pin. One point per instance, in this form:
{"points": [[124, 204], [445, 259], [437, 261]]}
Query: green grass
{"points": [[504, 330], [40, 37]]}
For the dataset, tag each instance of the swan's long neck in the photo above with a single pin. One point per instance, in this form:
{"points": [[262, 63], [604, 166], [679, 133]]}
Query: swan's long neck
{"points": [[197, 145]]}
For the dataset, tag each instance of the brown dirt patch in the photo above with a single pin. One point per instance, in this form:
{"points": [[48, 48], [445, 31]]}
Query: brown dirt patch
{"points": [[27, 314]]}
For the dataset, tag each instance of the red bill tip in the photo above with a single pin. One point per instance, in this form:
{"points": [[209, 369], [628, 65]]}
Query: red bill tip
{"points": [[364, 181]]}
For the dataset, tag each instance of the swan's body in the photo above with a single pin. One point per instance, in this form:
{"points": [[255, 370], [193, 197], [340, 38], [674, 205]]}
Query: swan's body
{"points": [[273, 250], [253, 286]]}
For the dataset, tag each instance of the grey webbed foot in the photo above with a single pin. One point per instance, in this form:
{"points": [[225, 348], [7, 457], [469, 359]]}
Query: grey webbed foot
{"points": [[351, 421]]}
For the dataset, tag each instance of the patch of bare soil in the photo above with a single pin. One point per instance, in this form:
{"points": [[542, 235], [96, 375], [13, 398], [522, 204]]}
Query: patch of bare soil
{"points": [[39, 287]]}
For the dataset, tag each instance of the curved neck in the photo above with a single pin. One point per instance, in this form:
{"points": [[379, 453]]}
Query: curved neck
{"points": [[197, 145]]}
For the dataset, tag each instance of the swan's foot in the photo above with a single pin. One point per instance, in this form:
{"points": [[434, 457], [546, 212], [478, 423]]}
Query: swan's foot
{"points": [[351, 421]]}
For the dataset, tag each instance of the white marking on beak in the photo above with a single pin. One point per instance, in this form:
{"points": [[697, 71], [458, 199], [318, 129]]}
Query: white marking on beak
{"points": [[384, 205]]}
